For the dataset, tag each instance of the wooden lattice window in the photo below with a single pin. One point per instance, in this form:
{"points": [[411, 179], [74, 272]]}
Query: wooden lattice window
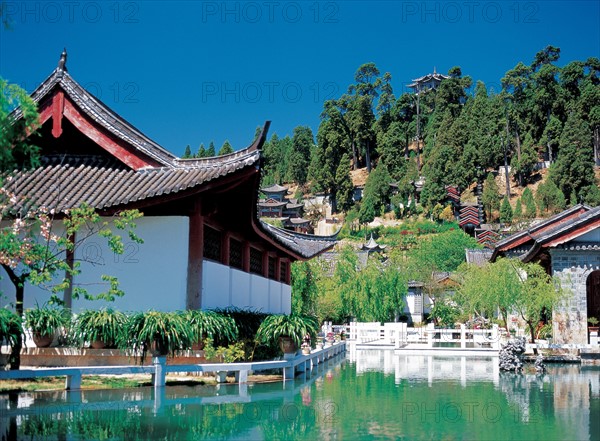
{"points": [[272, 268], [283, 271], [212, 244], [256, 264], [236, 259]]}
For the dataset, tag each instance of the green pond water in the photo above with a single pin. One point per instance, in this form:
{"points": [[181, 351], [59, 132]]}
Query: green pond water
{"points": [[363, 395]]}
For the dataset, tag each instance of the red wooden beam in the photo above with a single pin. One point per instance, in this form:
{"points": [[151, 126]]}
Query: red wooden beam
{"points": [[58, 108]]}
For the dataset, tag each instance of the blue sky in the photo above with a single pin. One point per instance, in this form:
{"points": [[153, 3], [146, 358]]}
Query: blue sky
{"points": [[189, 72]]}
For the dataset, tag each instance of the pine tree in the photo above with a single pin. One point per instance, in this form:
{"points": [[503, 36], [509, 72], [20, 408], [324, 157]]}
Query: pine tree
{"points": [[518, 212], [549, 197], [530, 208], [506, 213], [574, 167], [210, 152], [201, 151], [302, 143], [376, 194], [225, 149], [344, 184], [187, 153], [490, 197], [573, 199]]}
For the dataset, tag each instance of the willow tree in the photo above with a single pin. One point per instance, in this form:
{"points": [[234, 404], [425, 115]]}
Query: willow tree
{"points": [[508, 286]]}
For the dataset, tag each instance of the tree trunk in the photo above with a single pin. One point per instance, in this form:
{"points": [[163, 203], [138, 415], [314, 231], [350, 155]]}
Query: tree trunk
{"points": [[368, 156], [19, 284], [518, 139], [333, 202], [532, 332], [597, 145], [354, 157]]}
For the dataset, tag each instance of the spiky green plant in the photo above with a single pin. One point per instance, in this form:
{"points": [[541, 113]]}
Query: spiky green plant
{"points": [[11, 328], [211, 324], [168, 331], [294, 326], [46, 320], [107, 325]]}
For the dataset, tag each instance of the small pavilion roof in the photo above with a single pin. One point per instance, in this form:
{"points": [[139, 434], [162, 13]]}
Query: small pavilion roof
{"points": [[275, 188], [371, 245]]}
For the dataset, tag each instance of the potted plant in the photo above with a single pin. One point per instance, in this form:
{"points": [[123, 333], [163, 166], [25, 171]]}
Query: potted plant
{"points": [[306, 344], [11, 329], [288, 330], [161, 333], [210, 324], [45, 322], [320, 340], [102, 328], [593, 321]]}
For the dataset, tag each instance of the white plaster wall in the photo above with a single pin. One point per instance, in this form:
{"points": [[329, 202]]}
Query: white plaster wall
{"points": [[223, 286], [153, 274]]}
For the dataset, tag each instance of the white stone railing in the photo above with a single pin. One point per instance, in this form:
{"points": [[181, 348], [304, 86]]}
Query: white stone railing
{"points": [[290, 366], [399, 334]]}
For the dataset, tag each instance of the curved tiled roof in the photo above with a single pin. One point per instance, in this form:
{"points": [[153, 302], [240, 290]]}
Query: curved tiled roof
{"points": [[552, 232], [305, 245], [102, 115], [64, 187], [67, 181]]}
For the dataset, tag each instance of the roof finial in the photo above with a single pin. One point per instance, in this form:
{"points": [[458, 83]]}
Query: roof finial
{"points": [[434, 72], [62, 63]]}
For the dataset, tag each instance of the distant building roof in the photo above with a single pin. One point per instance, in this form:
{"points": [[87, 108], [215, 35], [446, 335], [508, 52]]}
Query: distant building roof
{"points": [[276, 188], [372, 246], [552, 232], [429, 78]]}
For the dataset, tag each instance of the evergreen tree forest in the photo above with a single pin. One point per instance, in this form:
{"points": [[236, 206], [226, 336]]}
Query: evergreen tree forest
{"points": [[466, 132]]}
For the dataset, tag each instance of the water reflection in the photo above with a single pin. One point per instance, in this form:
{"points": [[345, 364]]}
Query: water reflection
{"points": [[370, 394]]}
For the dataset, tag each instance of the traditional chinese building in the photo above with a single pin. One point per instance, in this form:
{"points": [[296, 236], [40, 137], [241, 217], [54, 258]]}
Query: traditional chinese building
{"points": [[426, 82], [200, 250], [288, 211], [567, 245]]}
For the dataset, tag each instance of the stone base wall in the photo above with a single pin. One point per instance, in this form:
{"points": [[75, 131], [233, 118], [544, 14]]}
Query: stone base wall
{"points": [[570, 319], [72, 357]]}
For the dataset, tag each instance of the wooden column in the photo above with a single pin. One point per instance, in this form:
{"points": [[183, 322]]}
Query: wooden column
{"points": [[225, 247], [195, 258], [265, 263], [246, 256], [278, 268]]}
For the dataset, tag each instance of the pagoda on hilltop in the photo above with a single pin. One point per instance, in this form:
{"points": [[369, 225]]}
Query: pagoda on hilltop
{"points": [[427, 82]]}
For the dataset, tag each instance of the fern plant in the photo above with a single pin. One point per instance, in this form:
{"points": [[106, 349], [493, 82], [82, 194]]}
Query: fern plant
{"points": [[11, 328], [211, 324], [44, 322], [294, 326], [100, 328], [161, 333]]}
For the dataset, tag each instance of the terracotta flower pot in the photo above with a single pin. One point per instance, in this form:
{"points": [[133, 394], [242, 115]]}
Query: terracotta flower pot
{"points": [[287, 345], [158, 348], [42, 340], [199, 345], [100, 344]]}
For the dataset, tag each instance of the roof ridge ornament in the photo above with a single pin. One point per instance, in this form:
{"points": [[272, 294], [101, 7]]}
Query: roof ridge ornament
{"points": [[62, 63]]}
